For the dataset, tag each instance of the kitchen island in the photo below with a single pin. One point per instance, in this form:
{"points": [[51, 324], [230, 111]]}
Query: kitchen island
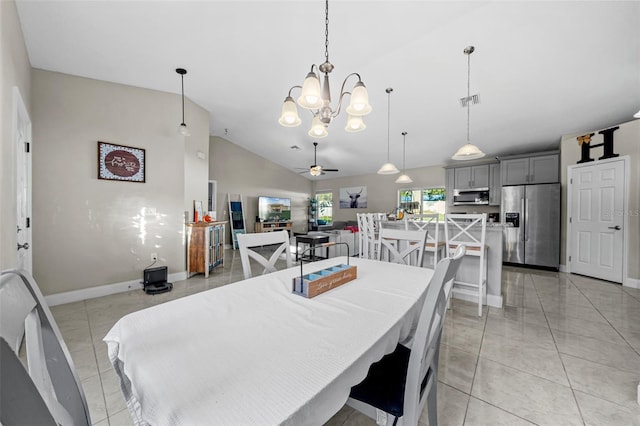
{"points": [[469, 267]]}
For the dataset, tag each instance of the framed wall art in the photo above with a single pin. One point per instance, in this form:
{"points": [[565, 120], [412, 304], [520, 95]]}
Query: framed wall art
{"points": [[119, 162], [353, 198]]}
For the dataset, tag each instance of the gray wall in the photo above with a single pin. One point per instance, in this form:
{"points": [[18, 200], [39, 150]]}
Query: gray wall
{"points": [[15, 71], [239, 171], [382, 191], [89, 232], [626, 142]]}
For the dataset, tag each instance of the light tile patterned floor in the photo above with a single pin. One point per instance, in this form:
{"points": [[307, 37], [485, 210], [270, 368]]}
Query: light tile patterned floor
{"points": [[564, 350]]}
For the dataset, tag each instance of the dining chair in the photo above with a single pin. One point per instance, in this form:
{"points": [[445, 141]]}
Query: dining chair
{"points": [[434, 245], [373, 223], [402, 246], [398, 386], [362, 235], [50, 393], [470, 230], [247, 242]]}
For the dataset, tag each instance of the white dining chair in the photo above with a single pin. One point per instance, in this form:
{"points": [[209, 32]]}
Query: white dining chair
{"points": [[373, 222], [50, 393], [248, 242], [470, 230], [362, 235], [402, 246], [433, 245], [398, 386]]}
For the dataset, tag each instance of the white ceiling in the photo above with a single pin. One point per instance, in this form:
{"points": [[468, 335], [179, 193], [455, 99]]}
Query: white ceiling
{"points": [[542, 68]]}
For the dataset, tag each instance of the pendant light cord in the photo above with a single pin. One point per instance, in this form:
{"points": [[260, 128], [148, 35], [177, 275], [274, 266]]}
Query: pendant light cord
{"points": [[389, 90], [182, 78], [468, 93], [404, 150]]}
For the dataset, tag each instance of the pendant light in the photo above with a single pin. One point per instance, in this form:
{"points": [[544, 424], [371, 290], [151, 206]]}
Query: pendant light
{"points": [[468, 151], [404, 178], [388, 168], [183, 129]]}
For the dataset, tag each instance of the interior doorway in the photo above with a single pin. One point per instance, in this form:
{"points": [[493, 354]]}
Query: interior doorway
{"points": [[597, 234], [23, 147]]}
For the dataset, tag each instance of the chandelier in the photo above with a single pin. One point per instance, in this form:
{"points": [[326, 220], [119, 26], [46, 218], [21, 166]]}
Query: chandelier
{"points": [[318, 99], [468, 151]]}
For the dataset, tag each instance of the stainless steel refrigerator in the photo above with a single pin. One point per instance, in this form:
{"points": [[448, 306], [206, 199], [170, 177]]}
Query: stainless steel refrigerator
{"points": [[531, 218]]}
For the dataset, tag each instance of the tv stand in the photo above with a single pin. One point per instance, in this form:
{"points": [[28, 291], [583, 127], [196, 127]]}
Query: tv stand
{"points": [[273, 226]]}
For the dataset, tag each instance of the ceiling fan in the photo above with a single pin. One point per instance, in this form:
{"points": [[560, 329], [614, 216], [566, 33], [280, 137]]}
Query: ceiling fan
{"points": [[315, 169]]}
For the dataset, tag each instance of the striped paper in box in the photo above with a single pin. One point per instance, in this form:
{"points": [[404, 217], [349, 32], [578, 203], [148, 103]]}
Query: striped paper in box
{"points": [[315, 283]]}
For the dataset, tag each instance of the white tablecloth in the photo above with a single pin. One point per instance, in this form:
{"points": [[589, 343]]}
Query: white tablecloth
{"points": [[253, 353]]}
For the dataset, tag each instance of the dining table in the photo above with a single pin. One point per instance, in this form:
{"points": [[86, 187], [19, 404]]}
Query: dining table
{"points": [[255, 353]]}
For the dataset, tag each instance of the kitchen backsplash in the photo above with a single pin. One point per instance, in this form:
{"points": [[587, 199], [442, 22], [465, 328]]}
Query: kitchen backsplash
{"points": [[474, 209]]}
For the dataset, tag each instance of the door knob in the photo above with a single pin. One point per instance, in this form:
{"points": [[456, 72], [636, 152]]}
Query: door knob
{"points": [[617, 228], [23, 246]]}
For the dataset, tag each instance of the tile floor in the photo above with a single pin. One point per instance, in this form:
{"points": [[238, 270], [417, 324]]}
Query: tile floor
{"points": [[564, 350]]}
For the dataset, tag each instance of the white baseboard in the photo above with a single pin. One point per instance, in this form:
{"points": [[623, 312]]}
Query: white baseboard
{"points": [[563, 267], [494, 301], [491, 299], [631, 282], [102, 290]]}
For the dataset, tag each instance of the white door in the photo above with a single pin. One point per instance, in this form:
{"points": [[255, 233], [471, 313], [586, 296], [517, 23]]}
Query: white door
{"points": [[597, 219], [22, 138]]}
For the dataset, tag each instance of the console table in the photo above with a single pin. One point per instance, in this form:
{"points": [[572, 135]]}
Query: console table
{"points": [[272, 226]]}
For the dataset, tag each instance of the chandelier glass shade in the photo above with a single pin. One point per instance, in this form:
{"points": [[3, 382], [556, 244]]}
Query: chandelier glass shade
{"points": [[468, 151], [183, 129], [316, 97], [388, 168]]}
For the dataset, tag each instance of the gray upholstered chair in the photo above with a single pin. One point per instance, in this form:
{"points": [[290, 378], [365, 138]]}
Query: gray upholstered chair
{"points": [[50, 393]]}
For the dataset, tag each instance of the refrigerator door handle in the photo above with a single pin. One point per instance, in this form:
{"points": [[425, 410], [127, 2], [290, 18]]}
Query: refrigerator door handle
{"points": [[522, 218], [526, 219]]}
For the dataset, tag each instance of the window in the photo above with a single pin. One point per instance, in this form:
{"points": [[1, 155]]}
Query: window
{"points": [[423, 201], [325, 208]]}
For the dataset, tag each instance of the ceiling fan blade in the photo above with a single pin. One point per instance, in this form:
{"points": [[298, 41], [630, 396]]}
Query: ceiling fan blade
{"points": [[330, 170]]}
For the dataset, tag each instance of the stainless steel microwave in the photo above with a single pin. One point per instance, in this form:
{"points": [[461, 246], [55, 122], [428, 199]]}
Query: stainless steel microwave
{"points": [[476, 196]]}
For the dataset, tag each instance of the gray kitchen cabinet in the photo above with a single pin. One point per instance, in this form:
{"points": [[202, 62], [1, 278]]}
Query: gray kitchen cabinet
{"points": [[449, 186], [495, 186], [544, 169], [530, 170], [472, 177]]}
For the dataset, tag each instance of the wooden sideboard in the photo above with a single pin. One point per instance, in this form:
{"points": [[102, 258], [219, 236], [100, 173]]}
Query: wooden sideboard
{"points": [[205, 246]]}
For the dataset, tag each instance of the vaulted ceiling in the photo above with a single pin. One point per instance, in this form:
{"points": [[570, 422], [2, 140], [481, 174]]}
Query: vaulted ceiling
{"points": [[542, 68]]}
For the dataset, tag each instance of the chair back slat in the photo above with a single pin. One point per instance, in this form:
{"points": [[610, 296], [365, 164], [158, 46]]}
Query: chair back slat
{"points": [[246, 243], [458, 230], [429, 221], [401, 246]]}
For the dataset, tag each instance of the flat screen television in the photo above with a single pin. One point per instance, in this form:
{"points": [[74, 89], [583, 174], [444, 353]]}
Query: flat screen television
{"points": [[274, 209]]}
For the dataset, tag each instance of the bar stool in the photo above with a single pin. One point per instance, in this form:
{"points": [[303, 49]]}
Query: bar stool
{"points": [[433, 245], [463, 229]]}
